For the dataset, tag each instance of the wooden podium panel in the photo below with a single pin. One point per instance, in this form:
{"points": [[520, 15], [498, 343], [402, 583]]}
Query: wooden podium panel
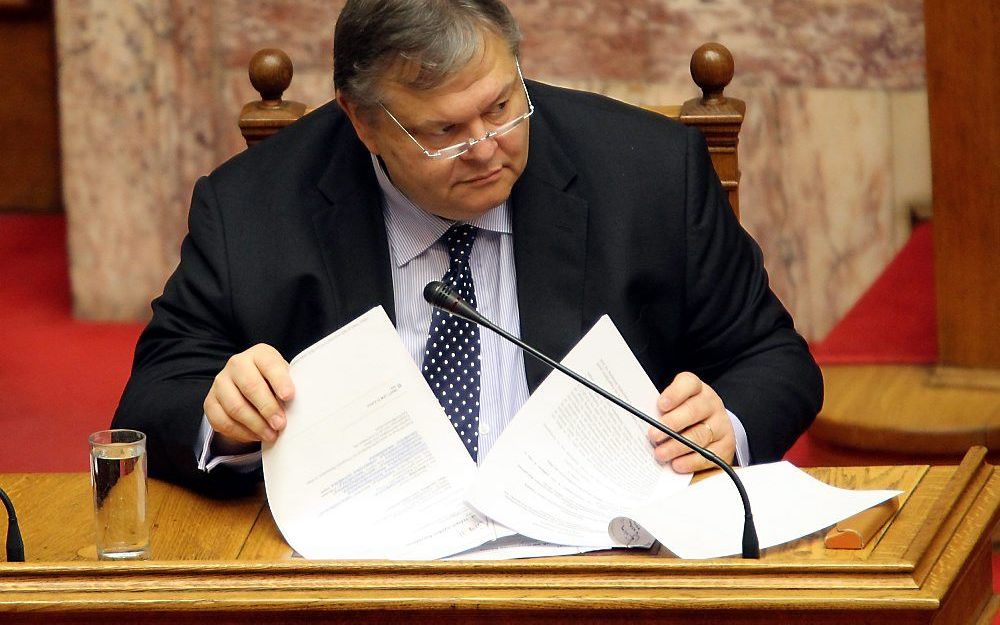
{"points": [[224, 562]]}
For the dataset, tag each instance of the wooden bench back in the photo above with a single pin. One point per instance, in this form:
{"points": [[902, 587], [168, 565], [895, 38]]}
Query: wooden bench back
{"points": [[716, 115]]}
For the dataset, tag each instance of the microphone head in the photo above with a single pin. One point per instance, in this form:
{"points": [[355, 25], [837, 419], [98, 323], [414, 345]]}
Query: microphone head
{"points": [[439, 294]]}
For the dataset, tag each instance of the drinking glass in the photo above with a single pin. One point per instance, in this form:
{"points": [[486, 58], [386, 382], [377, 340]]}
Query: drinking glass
{"points": [[118, 478]]}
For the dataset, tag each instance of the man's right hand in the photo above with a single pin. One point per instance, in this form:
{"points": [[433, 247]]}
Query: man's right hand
{"points": [[245, 403]]}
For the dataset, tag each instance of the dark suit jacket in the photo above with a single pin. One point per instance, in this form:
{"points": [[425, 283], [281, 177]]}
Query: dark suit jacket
{"points": [[618, 211]]}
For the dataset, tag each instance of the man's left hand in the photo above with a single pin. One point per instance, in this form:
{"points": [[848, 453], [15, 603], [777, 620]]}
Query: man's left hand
{"points": [[692, 408]]}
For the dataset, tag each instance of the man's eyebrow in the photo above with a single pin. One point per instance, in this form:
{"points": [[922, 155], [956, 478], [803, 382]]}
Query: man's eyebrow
{"points": [[437, 123], [505, 92], [431, 123]]}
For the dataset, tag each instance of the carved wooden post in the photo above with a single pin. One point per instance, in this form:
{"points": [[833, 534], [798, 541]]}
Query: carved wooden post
{"points": [[270, 75], [717, 116]]}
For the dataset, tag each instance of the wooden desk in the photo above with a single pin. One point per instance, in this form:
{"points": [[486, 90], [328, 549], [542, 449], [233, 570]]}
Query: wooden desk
{"points": [[225, 562]]}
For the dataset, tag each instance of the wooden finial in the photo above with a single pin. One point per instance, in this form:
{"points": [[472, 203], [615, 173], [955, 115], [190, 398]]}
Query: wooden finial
{"points": [[718, 117], [270, 74], [712, 68]]}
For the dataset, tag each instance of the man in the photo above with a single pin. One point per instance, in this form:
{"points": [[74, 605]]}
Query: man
{"points": [[546, 207]]}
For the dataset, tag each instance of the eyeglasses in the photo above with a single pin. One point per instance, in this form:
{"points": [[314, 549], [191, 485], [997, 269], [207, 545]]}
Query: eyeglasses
{"points": [[454, 151]]}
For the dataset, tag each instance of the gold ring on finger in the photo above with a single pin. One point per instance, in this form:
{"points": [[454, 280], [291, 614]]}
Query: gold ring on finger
{"points": [[711, 432]]}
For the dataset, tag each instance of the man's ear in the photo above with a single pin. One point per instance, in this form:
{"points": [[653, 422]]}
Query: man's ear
{"points": [[363, 124]]}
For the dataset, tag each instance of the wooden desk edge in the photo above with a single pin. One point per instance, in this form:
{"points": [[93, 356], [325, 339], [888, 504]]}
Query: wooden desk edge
{"points": [[590, 583]]}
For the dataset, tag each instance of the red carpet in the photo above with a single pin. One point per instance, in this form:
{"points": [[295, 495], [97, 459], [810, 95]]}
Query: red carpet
{"points": [[895, 320], [61, 378]]}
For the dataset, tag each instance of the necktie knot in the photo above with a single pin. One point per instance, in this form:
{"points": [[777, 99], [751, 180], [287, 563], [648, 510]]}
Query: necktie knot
{"points": [[459, 239]]}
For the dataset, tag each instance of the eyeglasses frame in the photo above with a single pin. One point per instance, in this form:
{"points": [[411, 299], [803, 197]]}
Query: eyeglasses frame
{"points": [[446, 152]]}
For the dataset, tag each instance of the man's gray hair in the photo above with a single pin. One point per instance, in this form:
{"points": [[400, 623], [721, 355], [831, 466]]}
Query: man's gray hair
{"points": [[438, 37]]}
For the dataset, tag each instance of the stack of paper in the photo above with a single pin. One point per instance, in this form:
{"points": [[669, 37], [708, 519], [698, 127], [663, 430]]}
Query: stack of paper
{"points": [[369, 466]]}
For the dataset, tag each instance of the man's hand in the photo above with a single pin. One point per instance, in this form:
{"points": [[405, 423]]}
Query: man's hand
{"points": [[692, 408], [245, 403]]}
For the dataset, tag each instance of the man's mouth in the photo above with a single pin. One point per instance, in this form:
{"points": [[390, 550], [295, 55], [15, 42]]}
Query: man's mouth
{"points": [[486, 178]]}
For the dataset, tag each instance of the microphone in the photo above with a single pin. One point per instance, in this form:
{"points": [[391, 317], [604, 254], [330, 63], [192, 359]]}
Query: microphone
{"points": [[440, 295], [15, 545]]}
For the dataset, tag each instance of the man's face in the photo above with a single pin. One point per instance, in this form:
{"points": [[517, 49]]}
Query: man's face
{"points": [[467, 105]]}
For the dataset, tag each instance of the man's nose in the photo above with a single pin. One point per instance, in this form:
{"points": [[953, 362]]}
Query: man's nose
{"points": [[483, 146], [482, 150]]}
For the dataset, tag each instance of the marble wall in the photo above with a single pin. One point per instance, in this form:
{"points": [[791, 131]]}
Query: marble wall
{"points": [[834, 149]]}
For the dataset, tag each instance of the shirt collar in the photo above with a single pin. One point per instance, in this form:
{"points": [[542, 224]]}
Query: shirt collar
{"points": [[412, 230]]}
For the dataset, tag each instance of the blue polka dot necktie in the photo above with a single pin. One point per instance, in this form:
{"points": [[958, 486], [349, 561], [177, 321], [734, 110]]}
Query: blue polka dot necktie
{"points": [[451, 359]]}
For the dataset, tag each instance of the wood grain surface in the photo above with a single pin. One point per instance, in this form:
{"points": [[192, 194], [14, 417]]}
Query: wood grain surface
{"points": [[900, 409], [962, 91]]}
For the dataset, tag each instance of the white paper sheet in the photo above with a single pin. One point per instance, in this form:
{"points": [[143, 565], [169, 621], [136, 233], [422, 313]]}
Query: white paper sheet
{"points": [[706, 519], [570, 461], [573, 469], [517, 546], [368, 465]]}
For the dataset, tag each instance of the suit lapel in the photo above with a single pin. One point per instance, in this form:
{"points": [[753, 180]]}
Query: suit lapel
{"points": [[550, 237], [351, 234], [549, 231]]}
